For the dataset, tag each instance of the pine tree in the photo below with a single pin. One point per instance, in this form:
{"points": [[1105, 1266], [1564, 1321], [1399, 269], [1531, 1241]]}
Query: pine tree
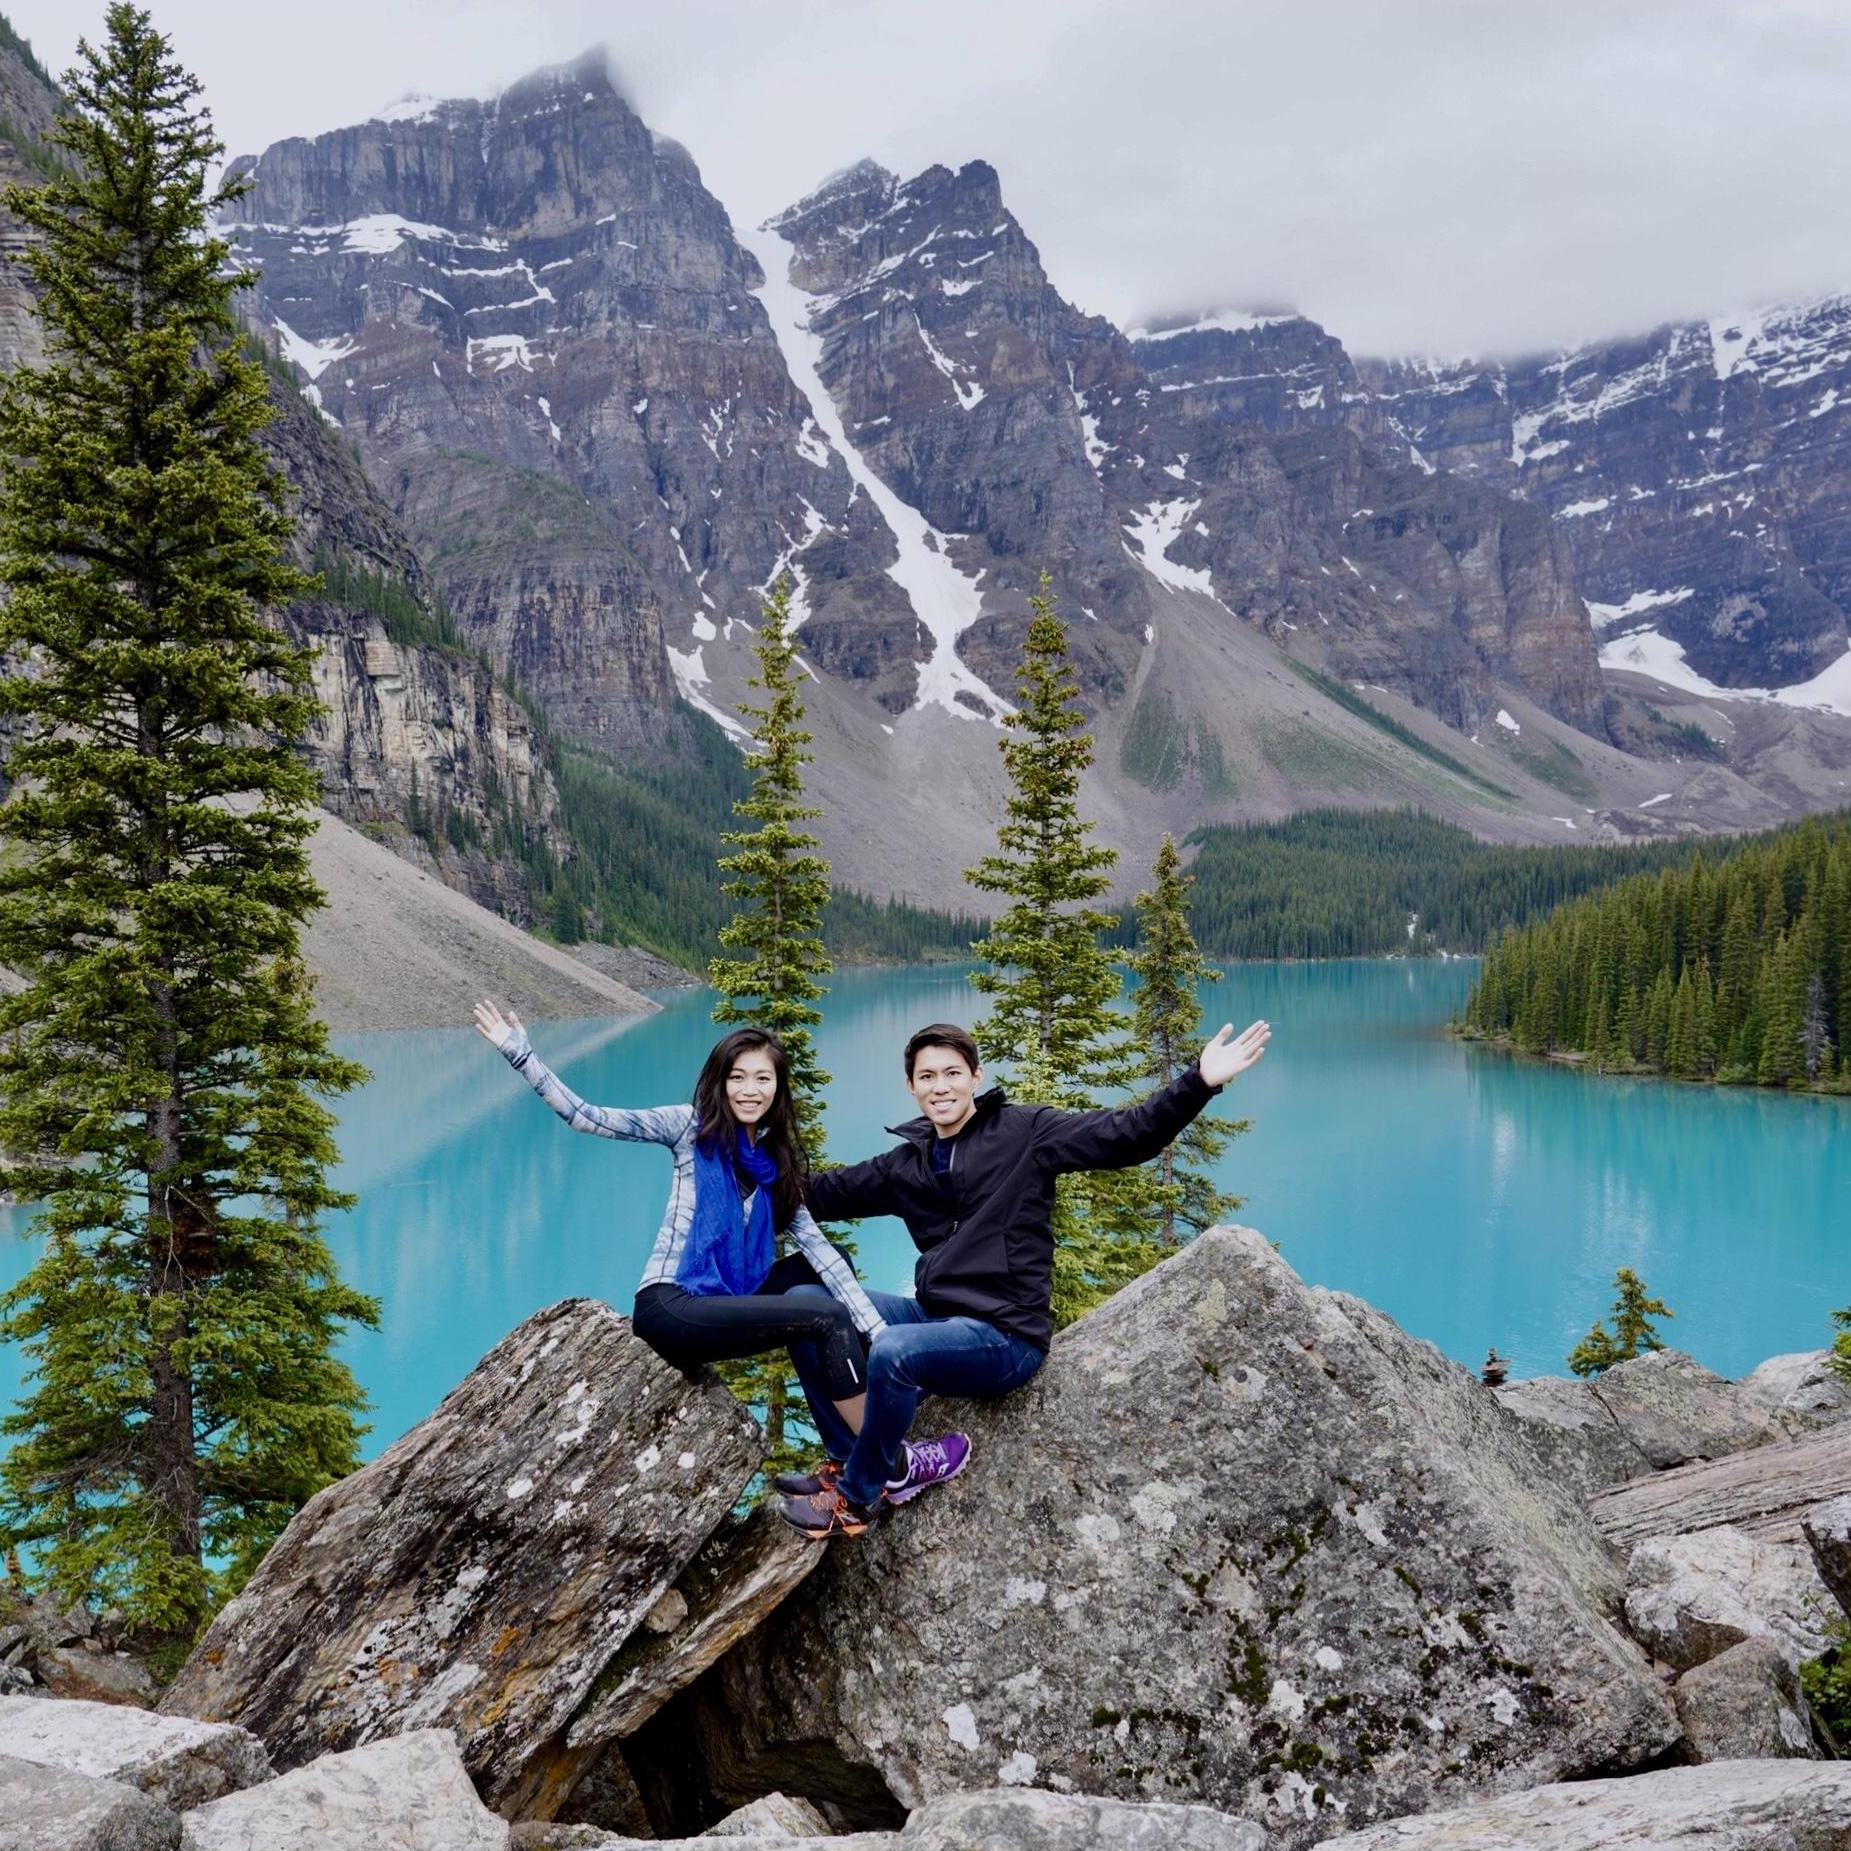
{"points": [[1166, 1024], [779, 885], [1632, 1334], [777, 880], [1052, 978], [161, 1065]]}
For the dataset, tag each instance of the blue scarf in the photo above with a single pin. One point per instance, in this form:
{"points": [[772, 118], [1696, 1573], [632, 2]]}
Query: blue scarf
{"points": [[728, 1252]]}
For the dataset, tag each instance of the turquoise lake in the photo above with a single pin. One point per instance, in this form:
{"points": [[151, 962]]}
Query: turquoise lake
{"points": [[1478, 1199]]}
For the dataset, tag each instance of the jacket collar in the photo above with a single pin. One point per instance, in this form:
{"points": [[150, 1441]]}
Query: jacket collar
{"points": [[919, 1130]]}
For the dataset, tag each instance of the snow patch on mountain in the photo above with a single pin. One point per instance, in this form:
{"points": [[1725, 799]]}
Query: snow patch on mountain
{"points": [[1153, 532], [943, 598], [1649, 652], [1605, 616]]}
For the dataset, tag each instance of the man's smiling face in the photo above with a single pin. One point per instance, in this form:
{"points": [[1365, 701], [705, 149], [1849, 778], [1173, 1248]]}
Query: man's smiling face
{"points": [[945, 1084]]}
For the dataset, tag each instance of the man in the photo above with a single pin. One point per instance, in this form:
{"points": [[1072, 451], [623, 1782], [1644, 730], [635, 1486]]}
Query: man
{"points": [[974, 1183]]}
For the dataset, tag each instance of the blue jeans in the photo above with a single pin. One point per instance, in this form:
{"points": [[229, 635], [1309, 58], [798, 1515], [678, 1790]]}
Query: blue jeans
{"points": [[917, 1354]]}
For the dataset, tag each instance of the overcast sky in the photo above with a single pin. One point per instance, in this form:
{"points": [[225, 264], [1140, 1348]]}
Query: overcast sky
{"points": [[1433, 176]]}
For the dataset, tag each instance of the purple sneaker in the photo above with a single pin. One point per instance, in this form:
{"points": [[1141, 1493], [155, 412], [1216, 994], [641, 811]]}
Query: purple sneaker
{"points": [[928, 1463]]}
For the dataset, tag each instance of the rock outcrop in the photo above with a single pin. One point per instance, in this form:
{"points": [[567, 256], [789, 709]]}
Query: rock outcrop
{"points": [[1802, 1389], [1656, 1411], [1242, 1543], [411, 1793], [172, 1759], [485, 1572], [1745, 1704], [1728, 1806], [1691, 1597], [50, 1809], [1765, 1492]]}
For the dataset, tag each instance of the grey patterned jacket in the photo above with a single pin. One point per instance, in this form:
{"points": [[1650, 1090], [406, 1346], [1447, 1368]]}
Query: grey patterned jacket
{"points": [[674, 1126]]}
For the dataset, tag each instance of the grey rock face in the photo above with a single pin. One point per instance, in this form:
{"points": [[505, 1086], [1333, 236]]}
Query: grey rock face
{"points": [[1689, 1598], [539, 327], [1765, 1491], [1191, 1601], [484, 1571], [739, 1575], [1574, 1432], [1020, 1819], [1696, 473], [777, 1815], [176, 1761], [1801, 1389], [51, 1809], [1728, 1806], [1675, 1410], [1037, 1821], [411, 1793], [1827, 1529], [400, 719], [1745, 1704]]}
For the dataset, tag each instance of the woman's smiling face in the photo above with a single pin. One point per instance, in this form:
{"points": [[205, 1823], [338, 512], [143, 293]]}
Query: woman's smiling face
{"points": [[751, 1086]]}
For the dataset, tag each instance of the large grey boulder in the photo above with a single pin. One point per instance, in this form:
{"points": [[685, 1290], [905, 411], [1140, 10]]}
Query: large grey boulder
{"points": [[1037, 1821], [1689, 1598], [489, 1566], [776, 1815], [1827, 1529], [1801, 1390], [1659, 1410], [1726, 1806], [51, 1809], [1005, 1819], [1675, 1410], [1241, 1542], [1573, 1432], [1744, 1705], [173, 1759], [411, 1793], [1766, 1491]]}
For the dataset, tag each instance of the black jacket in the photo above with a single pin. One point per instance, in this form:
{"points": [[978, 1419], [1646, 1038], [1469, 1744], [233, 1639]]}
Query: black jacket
{"points": [[985, 1232]]}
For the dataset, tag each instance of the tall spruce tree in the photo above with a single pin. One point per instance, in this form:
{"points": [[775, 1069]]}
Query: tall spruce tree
{"points": [[1166, 1025], [777, 881], [779, 885], [1051, 976], [159, 1070]]}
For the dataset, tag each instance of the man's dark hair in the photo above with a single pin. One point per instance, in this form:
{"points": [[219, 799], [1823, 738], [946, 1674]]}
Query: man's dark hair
{"points": [[943, 1035]]}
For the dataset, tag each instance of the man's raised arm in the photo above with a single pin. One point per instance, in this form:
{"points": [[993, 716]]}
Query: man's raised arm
{"points": [[1117, 1138]]}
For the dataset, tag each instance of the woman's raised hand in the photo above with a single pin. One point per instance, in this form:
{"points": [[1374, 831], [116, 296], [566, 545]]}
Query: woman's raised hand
{"points": [[494, 1026], [1226, 1055]]}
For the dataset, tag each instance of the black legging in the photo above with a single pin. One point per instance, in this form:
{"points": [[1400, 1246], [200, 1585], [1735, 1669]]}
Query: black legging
{"points": [[688, 1329]]}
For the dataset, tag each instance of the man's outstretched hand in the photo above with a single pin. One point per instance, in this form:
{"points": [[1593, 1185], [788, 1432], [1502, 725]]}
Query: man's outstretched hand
{"points": [[1228, 1055], [493, 1025]]}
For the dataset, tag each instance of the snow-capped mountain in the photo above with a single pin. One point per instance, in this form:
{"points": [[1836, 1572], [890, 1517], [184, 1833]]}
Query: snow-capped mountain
{"points": [[1699, 474]]}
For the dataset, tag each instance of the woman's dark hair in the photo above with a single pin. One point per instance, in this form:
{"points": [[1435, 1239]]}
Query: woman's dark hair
{"points": [[777, 1130], [943, 1035]]}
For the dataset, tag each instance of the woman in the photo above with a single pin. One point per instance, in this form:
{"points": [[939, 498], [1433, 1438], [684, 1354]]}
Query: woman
{"points": [[711, 1290]]}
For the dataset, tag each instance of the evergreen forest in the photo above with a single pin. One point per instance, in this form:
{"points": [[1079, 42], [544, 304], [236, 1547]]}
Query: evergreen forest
{"points": [[1731, 970], [1351, 884]]}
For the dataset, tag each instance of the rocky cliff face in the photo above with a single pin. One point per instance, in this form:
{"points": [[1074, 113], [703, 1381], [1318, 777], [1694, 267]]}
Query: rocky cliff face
{"points": [[1029, 434], [1696, 474], [415, 737], [28, 107], [538, 326]]}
